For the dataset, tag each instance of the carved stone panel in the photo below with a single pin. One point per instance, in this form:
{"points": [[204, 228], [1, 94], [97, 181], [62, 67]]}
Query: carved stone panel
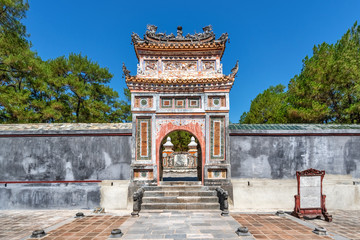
{"points": [[208, 65], [180, 65], [310, 191]]}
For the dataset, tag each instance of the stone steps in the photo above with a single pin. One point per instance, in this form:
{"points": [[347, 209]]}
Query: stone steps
{"points": [[180, 183], [174, 188], [179, 195], [179, 206], [177, 199]]}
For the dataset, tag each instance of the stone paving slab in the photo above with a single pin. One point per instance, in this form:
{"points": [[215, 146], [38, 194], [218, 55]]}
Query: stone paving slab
{"points": [[18, 224], [270, 226], [91, 227], [172, 225], [345, 223], [181, 225]]}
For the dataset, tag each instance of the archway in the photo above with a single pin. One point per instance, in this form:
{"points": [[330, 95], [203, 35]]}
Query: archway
{"points": [[194, 127], [180, 157]]}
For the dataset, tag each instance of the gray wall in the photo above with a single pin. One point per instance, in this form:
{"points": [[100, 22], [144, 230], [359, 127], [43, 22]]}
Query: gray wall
{"points": [[55, 156], [60, 156], [50, 196], [279, 157]]}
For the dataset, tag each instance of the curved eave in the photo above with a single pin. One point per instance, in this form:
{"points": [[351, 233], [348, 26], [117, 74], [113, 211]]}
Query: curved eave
{"points": [[180, 47], [135, 79]]}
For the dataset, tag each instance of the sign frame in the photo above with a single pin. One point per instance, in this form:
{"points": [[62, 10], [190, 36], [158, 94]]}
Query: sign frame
{"points": [[310, 212]]}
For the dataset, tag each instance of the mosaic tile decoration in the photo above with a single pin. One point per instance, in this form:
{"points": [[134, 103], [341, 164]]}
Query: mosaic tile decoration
{"points": [[143, 174], [216, 101], [217, 173], [180, 103], [217, 138], [194, 102], [143, 102], [143, 143], [166, 102]]}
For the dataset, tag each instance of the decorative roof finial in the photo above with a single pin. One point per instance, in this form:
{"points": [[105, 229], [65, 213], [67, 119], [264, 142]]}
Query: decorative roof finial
{"points": [[207, 29], [234, 70], [126, 72], [151, 28], [179, 32]]}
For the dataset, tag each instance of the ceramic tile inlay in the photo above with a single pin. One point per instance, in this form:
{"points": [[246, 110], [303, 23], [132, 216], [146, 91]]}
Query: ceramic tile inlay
{"points": [[143, 139], [217, 141]]}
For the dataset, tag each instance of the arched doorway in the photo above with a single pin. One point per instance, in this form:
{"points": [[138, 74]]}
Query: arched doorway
{"points": [[180, 157], [195, 126]]}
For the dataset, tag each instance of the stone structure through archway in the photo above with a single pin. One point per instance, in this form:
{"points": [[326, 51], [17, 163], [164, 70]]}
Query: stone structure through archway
{"points": [[187, 171]]}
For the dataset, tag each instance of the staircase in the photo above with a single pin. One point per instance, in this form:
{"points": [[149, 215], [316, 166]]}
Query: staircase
{"points": [[179, 195]]}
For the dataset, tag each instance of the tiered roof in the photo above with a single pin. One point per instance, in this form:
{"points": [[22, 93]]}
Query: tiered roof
{"points": [[162, 41], [154, 46]]}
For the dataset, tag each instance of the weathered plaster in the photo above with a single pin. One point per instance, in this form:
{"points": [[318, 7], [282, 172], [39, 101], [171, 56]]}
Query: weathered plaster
{"points": [[280, 157]]}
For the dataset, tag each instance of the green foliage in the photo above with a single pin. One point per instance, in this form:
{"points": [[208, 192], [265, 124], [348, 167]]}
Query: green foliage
{"points": [[327, 90], [72, 89], [181, 140], [124, 107], [268, 107], [11, 14], [78, 86]]}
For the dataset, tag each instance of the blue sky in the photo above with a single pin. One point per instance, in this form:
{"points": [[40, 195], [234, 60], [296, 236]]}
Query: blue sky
{"points": [[269, 38]]}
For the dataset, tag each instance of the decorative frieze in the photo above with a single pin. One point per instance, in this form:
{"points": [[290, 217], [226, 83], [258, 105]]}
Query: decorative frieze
{"points": [[180, 65], [178, 68], [208, 65], [180, 121], [180, 102]]}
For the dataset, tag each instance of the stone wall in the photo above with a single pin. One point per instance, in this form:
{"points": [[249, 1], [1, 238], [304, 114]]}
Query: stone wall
{"points": [[49, 196], [51, 153], [76, 153], [255, 194], [278, 154]]}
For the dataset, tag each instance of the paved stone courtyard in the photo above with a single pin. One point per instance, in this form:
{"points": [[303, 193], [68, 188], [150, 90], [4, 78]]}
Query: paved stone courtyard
{"points": [[172, 225], [18, 224], [270, 226], [345, 223]]}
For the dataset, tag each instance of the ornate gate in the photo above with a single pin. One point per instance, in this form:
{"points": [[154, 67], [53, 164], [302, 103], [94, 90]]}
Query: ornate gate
{"points": [[180, 86]]}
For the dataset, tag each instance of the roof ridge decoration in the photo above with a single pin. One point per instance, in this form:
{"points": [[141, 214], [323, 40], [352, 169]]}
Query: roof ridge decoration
{"points": [[151, 36]]}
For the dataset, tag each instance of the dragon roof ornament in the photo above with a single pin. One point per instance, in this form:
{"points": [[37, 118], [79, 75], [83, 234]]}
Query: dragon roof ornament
{"points": [[151, 36]]}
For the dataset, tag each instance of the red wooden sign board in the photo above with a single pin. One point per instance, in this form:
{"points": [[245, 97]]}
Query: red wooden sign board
{"points": [[310, 202]]}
